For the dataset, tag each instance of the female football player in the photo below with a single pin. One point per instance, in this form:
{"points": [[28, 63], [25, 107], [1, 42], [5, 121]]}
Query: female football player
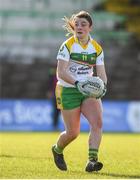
{"points": [[78, 58]]}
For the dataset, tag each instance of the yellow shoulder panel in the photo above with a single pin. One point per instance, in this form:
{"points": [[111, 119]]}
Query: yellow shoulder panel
{"points": [[70, 42], [97, 47]]}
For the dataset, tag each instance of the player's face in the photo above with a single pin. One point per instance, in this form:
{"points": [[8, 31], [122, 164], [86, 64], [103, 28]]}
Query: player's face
{"points": [[81, 27]]}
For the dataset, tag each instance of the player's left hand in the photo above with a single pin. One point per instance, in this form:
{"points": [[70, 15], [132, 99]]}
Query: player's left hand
{"points": [[104, 92]]}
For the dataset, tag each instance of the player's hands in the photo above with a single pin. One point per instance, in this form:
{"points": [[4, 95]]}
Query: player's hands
{"points": [[104, 92], [80, 86]]}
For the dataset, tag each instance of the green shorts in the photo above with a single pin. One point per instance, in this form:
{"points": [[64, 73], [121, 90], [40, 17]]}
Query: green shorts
{"points": [[68, 98]]}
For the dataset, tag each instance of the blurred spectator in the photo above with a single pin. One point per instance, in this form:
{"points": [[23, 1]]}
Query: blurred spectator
{"points": [[51, 95]]}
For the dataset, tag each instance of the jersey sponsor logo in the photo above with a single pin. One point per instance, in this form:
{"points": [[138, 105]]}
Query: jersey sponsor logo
{"points": [[80, 70], [73, 69], [61, 49], [58, 100], [102, 59], [83, 70], [61, 52]]}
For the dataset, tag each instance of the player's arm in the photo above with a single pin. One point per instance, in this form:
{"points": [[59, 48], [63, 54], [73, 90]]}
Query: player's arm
{"points": [[100, 69], [62, 64], [100, 66], [102, 74], [62, 72]]}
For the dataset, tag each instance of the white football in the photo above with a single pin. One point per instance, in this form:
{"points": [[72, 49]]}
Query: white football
{"points": [[94, 85]]}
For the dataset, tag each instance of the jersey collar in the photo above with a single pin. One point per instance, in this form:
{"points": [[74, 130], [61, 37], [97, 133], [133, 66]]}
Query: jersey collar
{"points": [[77, 41]]}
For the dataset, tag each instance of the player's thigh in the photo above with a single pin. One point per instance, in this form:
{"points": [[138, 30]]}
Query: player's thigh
{"points": [[92, 109], [71, 119]]}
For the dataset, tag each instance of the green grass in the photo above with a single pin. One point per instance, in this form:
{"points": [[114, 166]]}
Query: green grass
{"points": [[28, 155]]}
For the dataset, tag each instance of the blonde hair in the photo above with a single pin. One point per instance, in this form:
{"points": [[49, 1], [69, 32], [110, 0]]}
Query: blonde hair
{"points": [[69, 22]]}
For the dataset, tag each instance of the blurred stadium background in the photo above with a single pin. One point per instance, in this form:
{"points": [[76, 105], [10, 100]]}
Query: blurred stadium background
{"points": [[30, 35]]}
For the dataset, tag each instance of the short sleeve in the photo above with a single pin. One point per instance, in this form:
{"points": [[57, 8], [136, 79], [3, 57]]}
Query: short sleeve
{"points": [[63, 53], [100, 59]]}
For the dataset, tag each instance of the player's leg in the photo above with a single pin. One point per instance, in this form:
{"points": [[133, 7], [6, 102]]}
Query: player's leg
{"points": [[72, 128], [68, 100], [92, 110]]}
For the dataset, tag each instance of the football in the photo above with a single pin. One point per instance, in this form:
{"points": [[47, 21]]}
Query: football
{"points": [[94, 85]]}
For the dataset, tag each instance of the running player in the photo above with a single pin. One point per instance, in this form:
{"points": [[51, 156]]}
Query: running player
{"points": [[79, 56]]}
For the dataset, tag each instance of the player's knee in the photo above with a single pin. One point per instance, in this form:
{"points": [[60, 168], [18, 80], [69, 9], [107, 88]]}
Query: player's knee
{"points": [[73, 134], [97, 124]]}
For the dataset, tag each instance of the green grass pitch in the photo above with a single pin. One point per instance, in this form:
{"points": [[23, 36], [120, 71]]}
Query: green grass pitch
{"points": [[28, 155]]}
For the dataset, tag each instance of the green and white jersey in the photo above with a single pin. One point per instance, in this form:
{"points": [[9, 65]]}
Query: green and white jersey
{"points": [[82, 58]]}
